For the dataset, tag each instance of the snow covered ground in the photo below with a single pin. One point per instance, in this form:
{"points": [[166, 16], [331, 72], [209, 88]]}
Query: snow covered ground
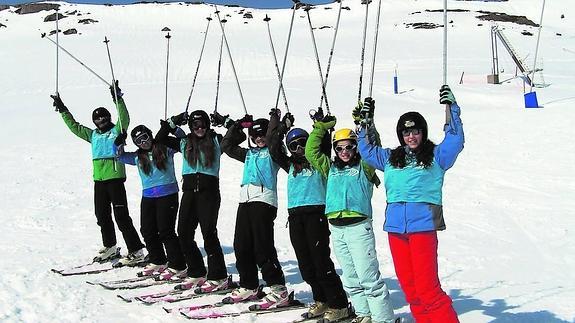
{"points": [[508, 254]]}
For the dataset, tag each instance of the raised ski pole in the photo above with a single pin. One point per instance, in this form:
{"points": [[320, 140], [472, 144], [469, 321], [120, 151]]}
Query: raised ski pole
{"points": [[106, 41], [307, 9], [331, 51], [374, 49], [57, 51], [295, 5], [219, 70], [231, 60], [199, 62], [280, 74], [43, 35], [363, 49], [447, 106], [167, 70], [537, 47]]}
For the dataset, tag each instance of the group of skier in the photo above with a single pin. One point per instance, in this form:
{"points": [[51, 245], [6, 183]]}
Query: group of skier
{"points": [[325, 197]]}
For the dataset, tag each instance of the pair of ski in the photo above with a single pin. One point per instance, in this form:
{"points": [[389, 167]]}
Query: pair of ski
{"points": [[135, 282], [207, 311], [178, 294], [94, 267]]}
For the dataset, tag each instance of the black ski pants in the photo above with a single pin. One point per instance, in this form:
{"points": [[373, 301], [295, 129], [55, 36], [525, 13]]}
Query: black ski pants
{"points": [[108, 194], [309, 235], [158, 228], [201, 208], [254, 245]]}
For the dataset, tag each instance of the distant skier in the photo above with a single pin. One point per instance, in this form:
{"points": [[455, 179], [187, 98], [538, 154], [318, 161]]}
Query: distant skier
{"points": [[201, 198], [413, 176], [109, 177], [254, 232], [348, 209], [308, 227], [159, 203]]}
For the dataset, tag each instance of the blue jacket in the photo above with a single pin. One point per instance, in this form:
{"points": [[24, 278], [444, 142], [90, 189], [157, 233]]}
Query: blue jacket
{"points": [[414, 194]]}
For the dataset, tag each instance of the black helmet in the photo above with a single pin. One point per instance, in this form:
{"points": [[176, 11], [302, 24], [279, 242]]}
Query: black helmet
{"points": [[141, 134], [199, 119], [102, 118], [411, 120], [259, 128]]}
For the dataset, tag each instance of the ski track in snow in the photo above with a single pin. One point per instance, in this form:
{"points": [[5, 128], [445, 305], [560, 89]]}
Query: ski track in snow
{"points": [[508, 252]]}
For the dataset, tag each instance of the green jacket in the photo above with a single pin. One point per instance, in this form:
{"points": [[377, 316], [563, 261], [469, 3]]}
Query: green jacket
{"points": [[103, 169], [322, 163]]}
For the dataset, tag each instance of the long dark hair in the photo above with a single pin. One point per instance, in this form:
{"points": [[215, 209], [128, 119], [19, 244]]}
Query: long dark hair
{"points": [[354, 161], [299, 163], [423, 155], [159, 155], [196, 146]]}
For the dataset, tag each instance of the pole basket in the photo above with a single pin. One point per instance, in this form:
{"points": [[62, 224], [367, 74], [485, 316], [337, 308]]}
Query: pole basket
{"points": [[531, 100]]}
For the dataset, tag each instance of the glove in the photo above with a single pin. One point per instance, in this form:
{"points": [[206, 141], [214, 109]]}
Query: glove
{"points": [[328, 122], [247, 121], [446, 96], [219, 120], [118, 91], [316, 115], [276, 112], [121, 139], [60, 107], [356, 113], [178, 120], [288, 120], [368, 108]]}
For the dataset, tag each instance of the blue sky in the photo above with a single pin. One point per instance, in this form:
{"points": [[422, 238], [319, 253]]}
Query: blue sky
{"points": [[243, 3]]}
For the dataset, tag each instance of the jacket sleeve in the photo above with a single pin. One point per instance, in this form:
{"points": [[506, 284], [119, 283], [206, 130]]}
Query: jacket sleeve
{"points": [[317, 159], [127, 157], [79, 130], [373, 138], [274, 137], [231, 143], [447, 151], [123, 116], [372, 154], [163, 137]]}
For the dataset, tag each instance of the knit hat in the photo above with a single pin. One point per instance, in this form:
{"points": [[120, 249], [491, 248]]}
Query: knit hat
{"points": [[411, 120]]}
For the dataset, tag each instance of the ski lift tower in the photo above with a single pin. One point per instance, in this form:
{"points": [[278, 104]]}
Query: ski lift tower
{"points": [[497, 33]]}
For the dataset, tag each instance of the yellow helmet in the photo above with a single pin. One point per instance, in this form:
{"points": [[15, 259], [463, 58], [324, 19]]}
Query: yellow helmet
{"points": [[343, 134]]}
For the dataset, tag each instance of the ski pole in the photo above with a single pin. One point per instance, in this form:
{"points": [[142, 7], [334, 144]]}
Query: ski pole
{"points": [[307, 9], [199, 61], [219, 71], [57, 52], [106, 41], [331, 51], [295, 5], [167, 70], [447, 106], [231, 60], [363, 49], [280, 74], [43, 35], [374, 49]]}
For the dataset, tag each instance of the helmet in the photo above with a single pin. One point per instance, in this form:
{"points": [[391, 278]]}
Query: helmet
{"points": [[141, 134], [259, 128], [101, 112], [411, 120], [102, 119], [197, 118], [343, 134], [294, 134]]}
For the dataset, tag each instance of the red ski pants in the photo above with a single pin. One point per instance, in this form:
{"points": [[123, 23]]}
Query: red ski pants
{"points": [[415, 260]]}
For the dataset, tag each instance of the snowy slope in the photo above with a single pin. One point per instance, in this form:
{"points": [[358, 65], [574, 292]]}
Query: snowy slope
{"points": [[508, 252]]}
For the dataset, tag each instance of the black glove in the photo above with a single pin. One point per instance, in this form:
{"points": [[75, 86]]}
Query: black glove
{"points": [[288, 120], [179, 120], [60, 107], [276, 112], [219, 120], [246, 122], [118, 91], [121, 139], [446, 96], [316, 115], [368, 108]]}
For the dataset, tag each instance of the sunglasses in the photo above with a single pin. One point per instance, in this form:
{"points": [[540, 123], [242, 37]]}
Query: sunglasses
{"points": [[141, 139], [294, 145], [198, 124], [412, 131], [339, 149]]}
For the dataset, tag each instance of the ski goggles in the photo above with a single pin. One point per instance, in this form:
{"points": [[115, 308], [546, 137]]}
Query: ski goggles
{"points": [[294, 145], [199, 124], [142, 139], [100, 122], [339, 149], [411, 131]]}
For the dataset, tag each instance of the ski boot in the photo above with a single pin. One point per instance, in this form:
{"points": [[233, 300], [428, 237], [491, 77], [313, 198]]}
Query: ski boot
{"points": [[107, 253]]}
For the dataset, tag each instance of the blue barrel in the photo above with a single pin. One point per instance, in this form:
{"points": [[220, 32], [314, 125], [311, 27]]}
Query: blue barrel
{"points": [[531, 100]]}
